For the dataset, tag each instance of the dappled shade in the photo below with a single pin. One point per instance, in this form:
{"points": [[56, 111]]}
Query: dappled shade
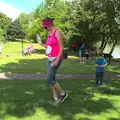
{"points": [[29, 99]]}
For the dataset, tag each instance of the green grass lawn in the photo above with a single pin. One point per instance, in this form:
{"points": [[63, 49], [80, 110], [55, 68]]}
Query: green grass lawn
{"points": [[12, 48], [12, 61], [38, 64], [22, 101], [28, 100]]}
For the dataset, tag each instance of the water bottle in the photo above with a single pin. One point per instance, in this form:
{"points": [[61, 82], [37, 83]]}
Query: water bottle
{"points": [[39, 39]]}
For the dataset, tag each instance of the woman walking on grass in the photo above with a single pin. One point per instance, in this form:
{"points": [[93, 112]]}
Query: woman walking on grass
{"points": [[54, 50]]}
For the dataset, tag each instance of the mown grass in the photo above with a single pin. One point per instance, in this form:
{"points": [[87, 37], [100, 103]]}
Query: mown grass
{"points": [[12, 61], [28, 100]]}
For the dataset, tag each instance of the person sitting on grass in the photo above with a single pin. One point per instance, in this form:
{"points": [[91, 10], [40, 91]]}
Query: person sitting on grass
{"points": [[100, 64], [30, 48]]}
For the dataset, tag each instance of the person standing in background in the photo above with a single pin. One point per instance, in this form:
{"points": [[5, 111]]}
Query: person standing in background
{"points": [[82, 53]]}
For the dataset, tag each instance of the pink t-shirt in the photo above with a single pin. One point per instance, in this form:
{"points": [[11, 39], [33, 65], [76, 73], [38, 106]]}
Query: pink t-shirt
{"points": [[53, 47], [30, 47]]}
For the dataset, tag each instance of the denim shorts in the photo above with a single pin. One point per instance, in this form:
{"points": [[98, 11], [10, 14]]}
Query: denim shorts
{"points": [[51, 72]]}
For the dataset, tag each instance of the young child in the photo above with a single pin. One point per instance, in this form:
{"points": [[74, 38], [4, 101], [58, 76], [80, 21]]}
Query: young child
{"points": [[100, 64], [30, 48], [87, 54]]}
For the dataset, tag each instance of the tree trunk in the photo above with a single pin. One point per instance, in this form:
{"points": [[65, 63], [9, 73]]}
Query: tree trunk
{"points": [[111, 51], [102, 42], [105, 43]]}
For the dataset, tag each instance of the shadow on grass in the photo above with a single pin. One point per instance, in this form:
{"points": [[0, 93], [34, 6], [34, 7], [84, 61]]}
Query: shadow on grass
{"points": [[38, 65], [112, 88], [22, 99], [39, 51], [31, 64], [114, 119], [25, 66], [114, 67]]}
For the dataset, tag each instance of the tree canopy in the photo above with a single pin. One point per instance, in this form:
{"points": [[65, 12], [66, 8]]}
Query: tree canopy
{"points": [[91, 21], [4, 22]]}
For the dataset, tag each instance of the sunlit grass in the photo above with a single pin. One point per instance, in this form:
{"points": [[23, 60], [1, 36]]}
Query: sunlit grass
{"points": [[12, 61], [28, 100]]}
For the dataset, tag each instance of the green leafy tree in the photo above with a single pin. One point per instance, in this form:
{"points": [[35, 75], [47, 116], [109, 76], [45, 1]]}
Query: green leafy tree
{"points": [[96, 21], [53, 9], [15, 31], [4, 22]]}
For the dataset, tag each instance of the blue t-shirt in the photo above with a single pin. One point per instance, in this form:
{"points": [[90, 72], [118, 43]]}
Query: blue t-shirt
{"points": [[100, 61], [82, 48]]}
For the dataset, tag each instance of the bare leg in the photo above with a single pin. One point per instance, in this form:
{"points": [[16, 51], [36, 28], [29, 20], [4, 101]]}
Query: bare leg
{"points": [[54, 92], [58, 88], [80, 59], [84, 59], [63, 94]]}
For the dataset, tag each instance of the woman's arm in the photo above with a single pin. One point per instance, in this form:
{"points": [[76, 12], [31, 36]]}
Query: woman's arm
{"points": [[60, 39], [44, 45]]}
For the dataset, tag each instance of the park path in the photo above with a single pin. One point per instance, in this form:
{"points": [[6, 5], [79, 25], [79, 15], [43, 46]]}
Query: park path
{"points": [[6, 76]]}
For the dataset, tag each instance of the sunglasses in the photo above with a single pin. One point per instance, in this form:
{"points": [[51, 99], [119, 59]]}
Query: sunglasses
{"points": [[45, 27]]}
